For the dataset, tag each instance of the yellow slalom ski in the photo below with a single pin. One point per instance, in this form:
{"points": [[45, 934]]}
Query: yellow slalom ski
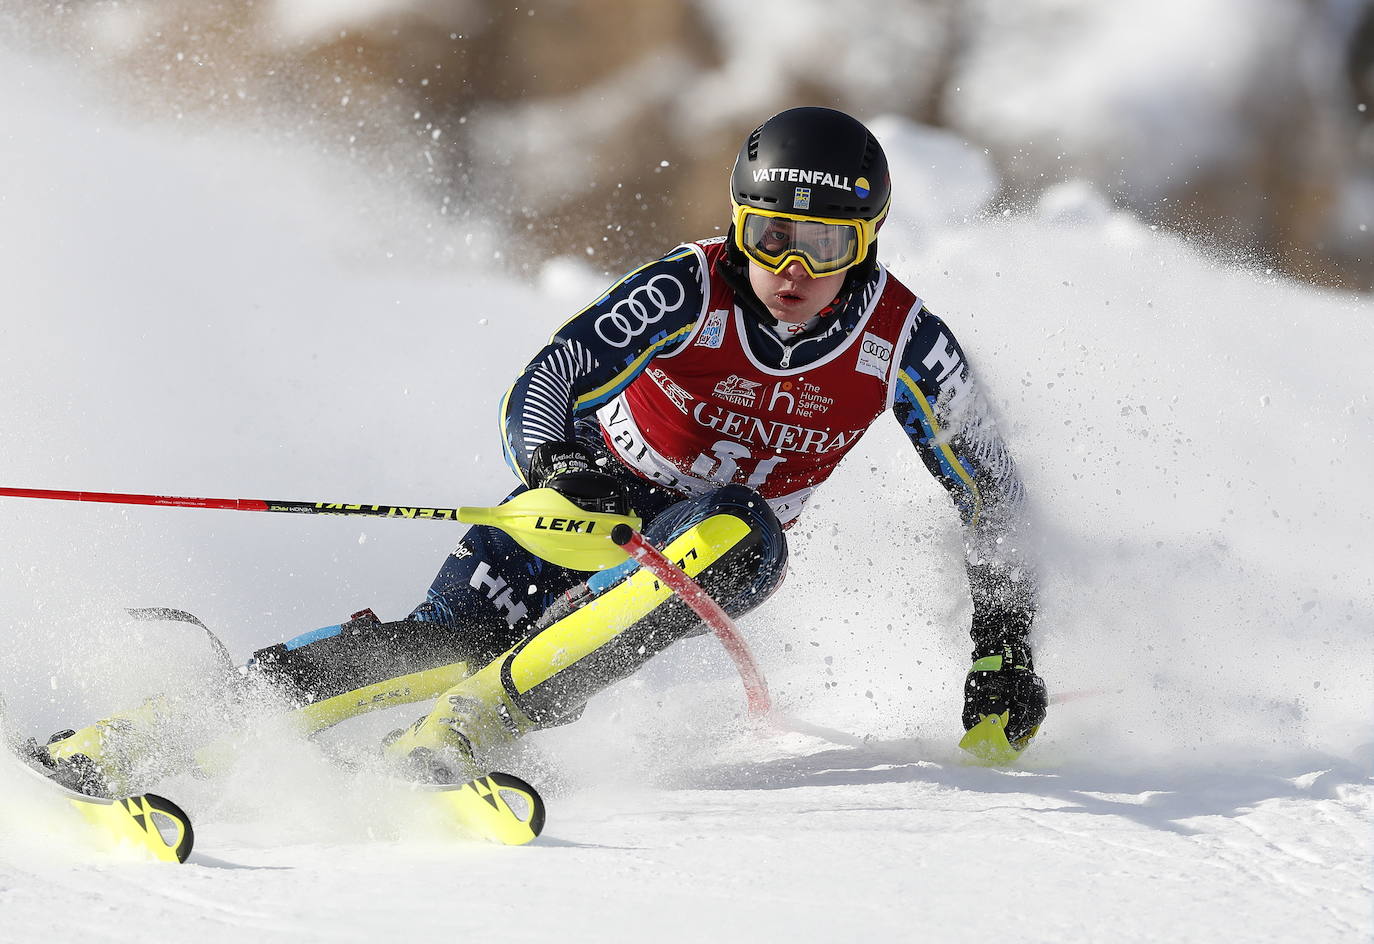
{"points": [[497, 807], [987, 742], [146, 821]]}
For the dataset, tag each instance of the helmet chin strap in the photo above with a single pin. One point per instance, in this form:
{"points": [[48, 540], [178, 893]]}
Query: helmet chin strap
{"points": [[734, 269]]}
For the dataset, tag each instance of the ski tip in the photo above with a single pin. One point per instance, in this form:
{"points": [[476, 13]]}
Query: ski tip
{"points": [[172, 826], [987, 744], [497, 807], [534, 815], [147, 820]]}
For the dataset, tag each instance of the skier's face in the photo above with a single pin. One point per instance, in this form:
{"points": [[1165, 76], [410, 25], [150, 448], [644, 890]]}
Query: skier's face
{"points": [[793, 296]]}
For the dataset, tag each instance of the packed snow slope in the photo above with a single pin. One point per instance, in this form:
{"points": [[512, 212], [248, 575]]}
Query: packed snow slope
{"points": [[189, 311]]}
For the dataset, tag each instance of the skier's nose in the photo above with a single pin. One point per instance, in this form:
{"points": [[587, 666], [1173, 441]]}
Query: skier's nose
{"points": [[795, 271]]}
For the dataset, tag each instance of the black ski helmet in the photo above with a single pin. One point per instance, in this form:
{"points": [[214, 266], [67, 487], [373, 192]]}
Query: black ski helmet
{"points": [[815, 162]]}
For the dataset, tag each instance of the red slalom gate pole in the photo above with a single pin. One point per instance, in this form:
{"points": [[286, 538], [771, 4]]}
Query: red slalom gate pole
{"points": [[755, 686]]}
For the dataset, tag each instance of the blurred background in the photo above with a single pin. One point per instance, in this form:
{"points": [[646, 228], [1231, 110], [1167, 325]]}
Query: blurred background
{"points": [[607, 127], [298, 249]]}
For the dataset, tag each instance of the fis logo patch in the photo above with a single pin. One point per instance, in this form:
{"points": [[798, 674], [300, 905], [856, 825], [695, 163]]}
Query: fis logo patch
{"points": [[713, 331], [875, 355], [801, 198]]}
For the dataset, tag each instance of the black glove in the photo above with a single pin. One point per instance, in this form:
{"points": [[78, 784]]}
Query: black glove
{"points": [[1002, 681], [569, 469]]}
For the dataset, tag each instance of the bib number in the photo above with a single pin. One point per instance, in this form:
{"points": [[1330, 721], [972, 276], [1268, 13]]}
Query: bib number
{"points": [[721, 464]]}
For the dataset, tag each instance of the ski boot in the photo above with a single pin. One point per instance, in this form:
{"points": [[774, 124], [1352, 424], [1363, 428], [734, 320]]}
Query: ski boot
{"points": [[75, 772], [108, 757], [468, 722], [78, 773]]}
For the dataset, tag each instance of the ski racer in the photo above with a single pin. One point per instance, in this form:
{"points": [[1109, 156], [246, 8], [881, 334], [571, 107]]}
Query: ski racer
{"points": [[712, 391]]}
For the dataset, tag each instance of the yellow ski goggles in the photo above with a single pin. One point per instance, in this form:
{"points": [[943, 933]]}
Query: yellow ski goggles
{"points": [[774, 240]]}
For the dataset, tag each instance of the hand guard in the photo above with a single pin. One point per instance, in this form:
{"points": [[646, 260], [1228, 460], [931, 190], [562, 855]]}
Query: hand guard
{"points": [[568, 468], [1005, 683]]}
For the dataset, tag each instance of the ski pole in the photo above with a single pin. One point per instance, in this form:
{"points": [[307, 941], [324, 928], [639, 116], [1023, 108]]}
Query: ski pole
{"points": [[540, 520], [755, 686], [238, 504]]}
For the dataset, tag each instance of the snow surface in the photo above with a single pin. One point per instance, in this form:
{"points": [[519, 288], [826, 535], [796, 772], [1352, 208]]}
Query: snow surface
{"points": [[193, 312]]}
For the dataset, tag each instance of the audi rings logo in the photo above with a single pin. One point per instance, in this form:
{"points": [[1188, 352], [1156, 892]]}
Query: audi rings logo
{"points": [[646, 305], [877, 348], [875, 355]]}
